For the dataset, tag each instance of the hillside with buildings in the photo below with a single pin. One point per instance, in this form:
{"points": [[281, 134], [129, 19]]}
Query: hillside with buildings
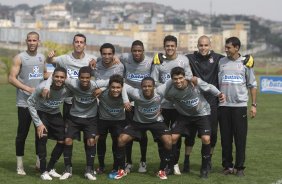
{"points": [[121, 23]]}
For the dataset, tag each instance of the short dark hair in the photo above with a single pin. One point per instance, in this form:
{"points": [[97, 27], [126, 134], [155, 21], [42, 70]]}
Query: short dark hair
{"points": [[170, 38], [234, 41], [116, 78], [84, 69], [148, 78], [106, 46], [60, 69], [177, 71], [79, 35], [137, 42], [32, 33]]}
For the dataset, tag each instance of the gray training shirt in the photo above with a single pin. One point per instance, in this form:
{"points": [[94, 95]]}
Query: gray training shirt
{"points": [[190, 101], [161, 73], [84, 103], [102, 72], [31, 74], [147, 110], [110, 108], [51, 105], [134, 71], [234, 81], [72, 65]]}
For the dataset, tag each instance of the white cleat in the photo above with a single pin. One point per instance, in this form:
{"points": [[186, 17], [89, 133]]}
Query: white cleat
{"points": [[65, 176], [54, 174], [142, 167], [20, 171], [90, 176], [176, 170], [128, 167], [46, 176]]}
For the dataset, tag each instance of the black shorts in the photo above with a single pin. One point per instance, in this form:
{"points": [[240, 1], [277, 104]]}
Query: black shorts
{"points": [[184, 125], [55, 125], [87, 125], [135, 129], [110, 126]]}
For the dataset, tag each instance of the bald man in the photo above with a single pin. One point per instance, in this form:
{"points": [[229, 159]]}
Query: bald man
{"points": [[204, 64]]}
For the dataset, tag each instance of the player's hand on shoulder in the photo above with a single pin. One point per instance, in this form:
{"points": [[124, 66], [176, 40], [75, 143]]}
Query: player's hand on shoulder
{"points": [[116, 60], [97, 92], [52, 54], [127, 106], [92, 63], [194, 81], [45, 93]]}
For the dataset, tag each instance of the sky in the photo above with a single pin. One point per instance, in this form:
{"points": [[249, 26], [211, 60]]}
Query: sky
{"points": [[269, 9]]}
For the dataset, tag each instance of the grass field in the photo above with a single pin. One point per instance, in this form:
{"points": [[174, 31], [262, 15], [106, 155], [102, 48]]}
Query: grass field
{"points": [[264, 157]]}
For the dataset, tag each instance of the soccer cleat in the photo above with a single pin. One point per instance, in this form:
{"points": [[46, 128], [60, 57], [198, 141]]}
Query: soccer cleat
{"points": [[20, 171], [120, 174], [204, 174], [162, 175], [227, 171], [90, 176], [176, 170], [66, 175], [128, 167], [113, 174], [100, 170], [46, 176], [240, 173], [54, 174], [142, 167]]}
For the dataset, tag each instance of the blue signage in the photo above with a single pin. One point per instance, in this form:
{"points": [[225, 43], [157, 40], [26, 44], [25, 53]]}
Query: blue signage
{"points": [[271, 84]]}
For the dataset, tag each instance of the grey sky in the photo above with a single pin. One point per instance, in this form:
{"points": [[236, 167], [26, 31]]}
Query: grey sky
{"points": [[270, 9]]}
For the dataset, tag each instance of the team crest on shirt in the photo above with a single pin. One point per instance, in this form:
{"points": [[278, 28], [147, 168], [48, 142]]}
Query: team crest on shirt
{"points": [[211, 60], [40, 59], [240, 66], [165, 77], [181, 63], [35, 73]]}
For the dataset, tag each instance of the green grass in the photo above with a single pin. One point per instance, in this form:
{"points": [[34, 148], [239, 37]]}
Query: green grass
{"points": [[263, 160]]}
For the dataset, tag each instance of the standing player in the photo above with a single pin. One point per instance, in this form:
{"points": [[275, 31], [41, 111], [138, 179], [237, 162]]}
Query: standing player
{"points": [[147, 116], [83, 117], [137, 66], [161, 73], [105, 68], [111, 114], [204, 64], [47, 118], [193, 112], [72, 62], [27, 71], [235, 79]]}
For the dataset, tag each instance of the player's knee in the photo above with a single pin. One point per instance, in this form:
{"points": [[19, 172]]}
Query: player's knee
{"points": [[91, 142], [205, 139], [174, 138], [68, 141]]}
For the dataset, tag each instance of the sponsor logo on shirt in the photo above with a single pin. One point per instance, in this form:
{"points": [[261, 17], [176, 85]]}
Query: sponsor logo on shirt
{"points": [[150, 110], [234, 79], [191, 102], [35, 73], [53, 103], [85, 100], [114, 111], [137, 77], [73, 74]]}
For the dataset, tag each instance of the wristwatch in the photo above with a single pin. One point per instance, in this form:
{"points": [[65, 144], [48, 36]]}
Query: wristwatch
{"points": [[254, 104]]}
